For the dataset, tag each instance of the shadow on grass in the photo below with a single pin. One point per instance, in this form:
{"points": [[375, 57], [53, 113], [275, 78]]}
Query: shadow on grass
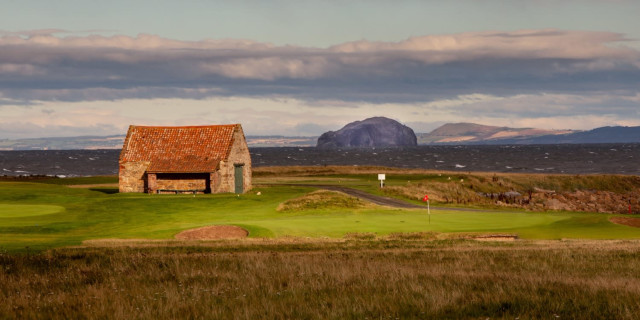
{"points": [[105, 190]]}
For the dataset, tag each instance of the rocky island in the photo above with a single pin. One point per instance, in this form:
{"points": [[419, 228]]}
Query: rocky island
{"points": [[372, 132]]}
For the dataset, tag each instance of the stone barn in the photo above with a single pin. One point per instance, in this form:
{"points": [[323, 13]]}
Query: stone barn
{"points": [[194, 159]]}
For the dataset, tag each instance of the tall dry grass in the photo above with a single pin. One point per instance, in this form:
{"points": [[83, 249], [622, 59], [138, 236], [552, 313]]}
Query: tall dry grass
{"points": [[482, 181], [594, 193], [300, 171], [351, 279], [538, 192]]}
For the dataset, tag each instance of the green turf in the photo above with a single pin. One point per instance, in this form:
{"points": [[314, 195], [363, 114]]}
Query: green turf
{"points": [[40, 216], [27, 210], [80, 180]]}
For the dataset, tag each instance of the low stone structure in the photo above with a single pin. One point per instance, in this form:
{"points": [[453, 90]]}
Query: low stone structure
{"points": [[194, 159]]}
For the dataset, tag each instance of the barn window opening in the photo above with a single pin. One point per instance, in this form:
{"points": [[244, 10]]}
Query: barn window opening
{"points": [[183, 183]]}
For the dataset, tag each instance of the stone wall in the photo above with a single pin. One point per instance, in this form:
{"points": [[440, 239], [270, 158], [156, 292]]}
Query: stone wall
{"points": [[182, 182], [214, 181], [132, 176], [239, 155]]}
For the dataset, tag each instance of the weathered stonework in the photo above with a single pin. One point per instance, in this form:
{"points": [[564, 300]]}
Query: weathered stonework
{"points": [[132, 176], [238, 156], [171, 183], [187, 164]]}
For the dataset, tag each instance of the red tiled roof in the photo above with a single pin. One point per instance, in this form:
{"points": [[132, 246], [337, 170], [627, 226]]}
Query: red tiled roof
{"points": [[179, 149]]}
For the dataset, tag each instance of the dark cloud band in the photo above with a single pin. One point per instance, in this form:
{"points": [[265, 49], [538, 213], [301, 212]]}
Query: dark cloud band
{"points": [[40, 66]]}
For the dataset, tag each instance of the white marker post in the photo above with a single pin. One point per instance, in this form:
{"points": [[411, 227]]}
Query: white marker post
{"points": [[381, 177]]}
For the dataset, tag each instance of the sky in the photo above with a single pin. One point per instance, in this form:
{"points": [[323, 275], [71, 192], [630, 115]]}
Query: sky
{"points": [[300, 68]]}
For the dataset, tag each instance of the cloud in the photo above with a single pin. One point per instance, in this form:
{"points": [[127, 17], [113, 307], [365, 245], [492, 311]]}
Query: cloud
{"points": [[39, 65], [31, 33], [544, 105], [296, 117], [27, 130], [548, 111], [96, 84], [526, 44], [311, 129]]}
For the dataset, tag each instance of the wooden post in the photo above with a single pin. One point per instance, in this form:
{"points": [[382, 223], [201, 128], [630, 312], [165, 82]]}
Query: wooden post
{"points": [[213, 182], [152, 182]]}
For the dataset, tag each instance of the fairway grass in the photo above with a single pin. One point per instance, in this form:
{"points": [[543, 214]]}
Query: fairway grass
{"points": [[41, 216]]}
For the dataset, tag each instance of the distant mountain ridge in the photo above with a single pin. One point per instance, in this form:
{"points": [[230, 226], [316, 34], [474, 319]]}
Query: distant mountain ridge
{"points": [[471, 133], [617, 134], [448, 134], [456, 133]]}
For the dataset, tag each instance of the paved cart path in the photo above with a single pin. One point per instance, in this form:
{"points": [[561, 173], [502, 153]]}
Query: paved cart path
{"points": [[380, 200]]}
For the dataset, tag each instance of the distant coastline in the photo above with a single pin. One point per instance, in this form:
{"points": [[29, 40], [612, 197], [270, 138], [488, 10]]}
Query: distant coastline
{"points": [[447, 134], [116, 141]]}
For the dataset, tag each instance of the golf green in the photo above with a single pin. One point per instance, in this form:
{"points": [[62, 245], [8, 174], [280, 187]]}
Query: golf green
{"points": [[27, 210]]}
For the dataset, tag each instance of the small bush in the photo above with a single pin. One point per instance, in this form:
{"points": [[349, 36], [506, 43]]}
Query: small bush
{"points": [[322, 199], [360, 235], [413, 236]]}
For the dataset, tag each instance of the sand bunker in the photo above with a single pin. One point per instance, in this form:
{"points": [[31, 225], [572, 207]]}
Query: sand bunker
{"points": [[213, 233], [627, 221], [496, 237]]}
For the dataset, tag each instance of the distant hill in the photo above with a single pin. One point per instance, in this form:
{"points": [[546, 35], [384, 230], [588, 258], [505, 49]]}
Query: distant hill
{"points": [[372, 132], [599, 135], [465, 133], [450, 133], [471, 133]]}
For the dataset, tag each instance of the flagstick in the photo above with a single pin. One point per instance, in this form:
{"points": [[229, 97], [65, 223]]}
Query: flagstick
{"points": [[429, 211]]}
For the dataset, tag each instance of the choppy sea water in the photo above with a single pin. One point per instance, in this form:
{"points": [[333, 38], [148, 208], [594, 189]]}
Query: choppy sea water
{"points": [[572, 159]]}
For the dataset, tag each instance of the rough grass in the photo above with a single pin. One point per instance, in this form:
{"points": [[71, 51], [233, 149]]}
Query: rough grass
{"points": [[301, 171], [323, 199], [353, 279], [63, 181], [593, 193], [539, 192], [481, 181]]}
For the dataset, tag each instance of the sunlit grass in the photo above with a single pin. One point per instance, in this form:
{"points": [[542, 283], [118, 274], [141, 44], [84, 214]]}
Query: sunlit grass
{"points": [[355, 279], [29, 218], [322, 255]]}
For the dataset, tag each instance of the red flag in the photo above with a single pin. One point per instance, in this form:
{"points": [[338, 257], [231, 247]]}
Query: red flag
{"points": [[426, 198]]}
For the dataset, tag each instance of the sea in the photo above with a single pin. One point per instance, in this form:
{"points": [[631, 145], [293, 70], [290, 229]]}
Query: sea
{"points": [[561, 158]]}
